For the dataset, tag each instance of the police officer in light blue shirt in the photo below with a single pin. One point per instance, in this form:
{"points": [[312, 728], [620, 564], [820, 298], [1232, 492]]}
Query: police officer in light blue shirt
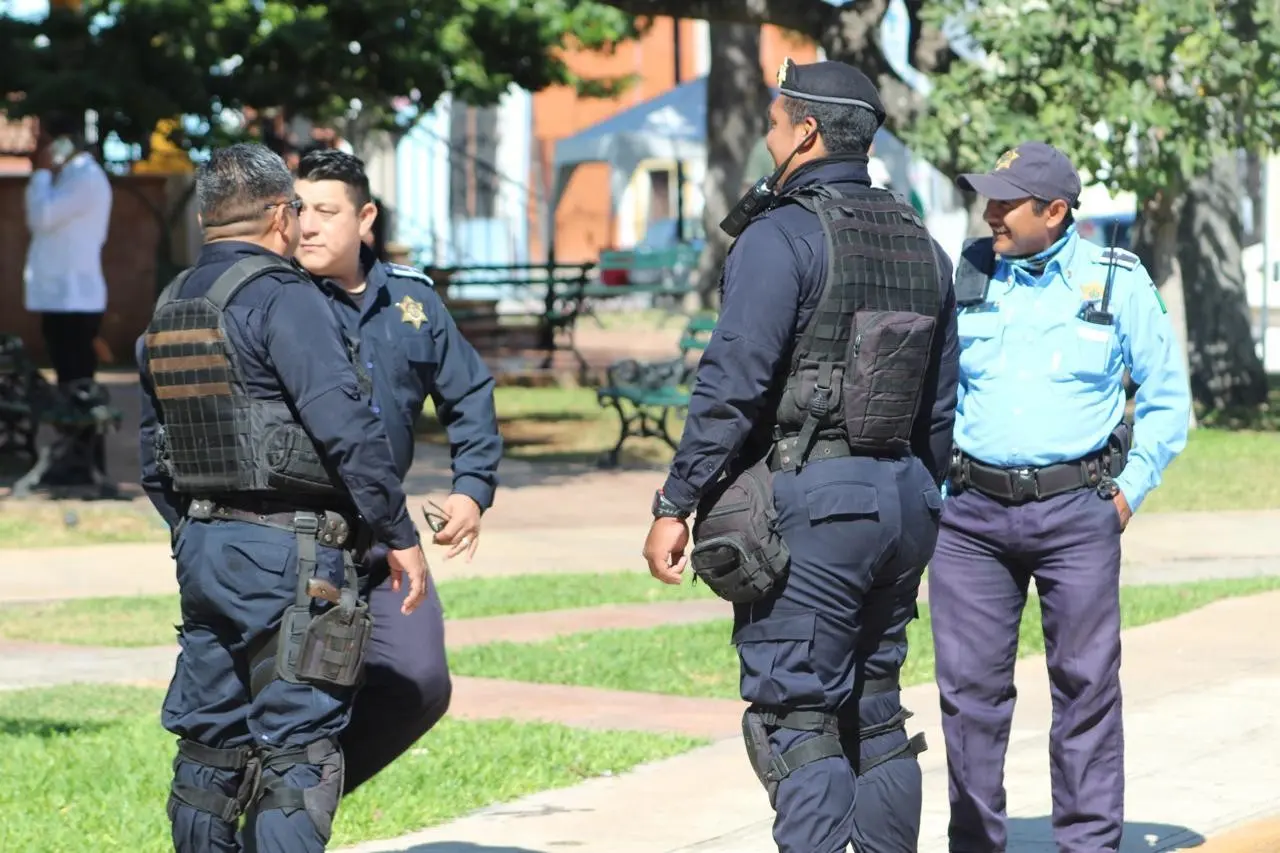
{"points": [[1045, 475]]}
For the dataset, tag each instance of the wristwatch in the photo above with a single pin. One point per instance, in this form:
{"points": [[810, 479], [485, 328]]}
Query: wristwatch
{"points": [[664, 508], [1108, 489]]}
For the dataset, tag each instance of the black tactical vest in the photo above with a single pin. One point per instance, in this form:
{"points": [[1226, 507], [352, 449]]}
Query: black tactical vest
{"points": [[215, 439], [858, 370]]}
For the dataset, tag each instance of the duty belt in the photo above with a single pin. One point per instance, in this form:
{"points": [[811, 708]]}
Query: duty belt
{"points": [[1020, 485], [786, 451], [328, 527]]}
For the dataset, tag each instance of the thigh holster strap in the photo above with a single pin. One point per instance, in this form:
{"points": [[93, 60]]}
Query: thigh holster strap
{"points": [[897, 721], [242, 758], [770, 767], [912, 747]]}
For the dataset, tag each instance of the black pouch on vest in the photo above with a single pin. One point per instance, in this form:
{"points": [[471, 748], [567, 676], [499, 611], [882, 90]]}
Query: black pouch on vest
{"points": [[738, 551], [888, 358], [294, 463]]}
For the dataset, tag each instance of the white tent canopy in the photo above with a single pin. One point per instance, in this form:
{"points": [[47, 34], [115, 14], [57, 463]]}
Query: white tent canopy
{"points": [[672, 126]]}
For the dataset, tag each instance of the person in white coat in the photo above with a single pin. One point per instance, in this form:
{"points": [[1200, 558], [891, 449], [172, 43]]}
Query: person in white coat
{"points": [[68, 207]]}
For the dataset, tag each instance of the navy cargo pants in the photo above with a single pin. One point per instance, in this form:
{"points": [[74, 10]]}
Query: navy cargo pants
{"points": [[407, 686], [860, 532], [236, 580], [978, 579]]}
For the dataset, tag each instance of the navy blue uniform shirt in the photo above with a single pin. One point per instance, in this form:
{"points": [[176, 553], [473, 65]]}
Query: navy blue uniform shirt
{"points": [[413, 350], [773, 279], [291, 348]]}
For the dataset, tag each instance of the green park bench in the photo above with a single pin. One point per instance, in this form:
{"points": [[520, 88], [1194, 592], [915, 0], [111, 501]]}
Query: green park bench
{"points": [[537, 308], [662, 274], [646, 394]]}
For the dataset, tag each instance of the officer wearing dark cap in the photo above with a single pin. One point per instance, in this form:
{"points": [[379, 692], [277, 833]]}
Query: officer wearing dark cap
{"points": [[818, 433], [275, 475], [1045, 476]]}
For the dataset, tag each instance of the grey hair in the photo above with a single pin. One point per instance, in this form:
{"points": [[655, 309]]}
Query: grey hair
{"points": [[845, 129], [237, 182]]}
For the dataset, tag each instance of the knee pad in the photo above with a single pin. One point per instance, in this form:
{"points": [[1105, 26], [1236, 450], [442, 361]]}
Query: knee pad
{"points": [[771, 768], [319, 801], [241, 761]]}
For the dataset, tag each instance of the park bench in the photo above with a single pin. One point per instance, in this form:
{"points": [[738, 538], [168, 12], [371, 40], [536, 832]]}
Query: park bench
{"points": [[28, 400], [646, 394], [661, 274], [507, 311]]}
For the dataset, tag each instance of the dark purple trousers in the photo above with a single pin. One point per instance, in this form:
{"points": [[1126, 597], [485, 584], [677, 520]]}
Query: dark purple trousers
{"points": [[407, 686], [987, 553]]}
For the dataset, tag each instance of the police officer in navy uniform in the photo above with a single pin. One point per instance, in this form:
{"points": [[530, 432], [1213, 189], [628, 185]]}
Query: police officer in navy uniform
{"points": [[274, 473], [1045, 478], [410, 349], [831, 375]]}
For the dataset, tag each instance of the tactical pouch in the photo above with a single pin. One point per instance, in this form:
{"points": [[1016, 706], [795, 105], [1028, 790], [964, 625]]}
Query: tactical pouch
{"points": [[293, 463], [738, 551], [888, 358], [325, 649]]}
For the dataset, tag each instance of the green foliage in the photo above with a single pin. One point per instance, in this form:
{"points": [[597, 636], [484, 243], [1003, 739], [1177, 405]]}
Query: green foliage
{"points": [[1176, 83], [138, 61]]}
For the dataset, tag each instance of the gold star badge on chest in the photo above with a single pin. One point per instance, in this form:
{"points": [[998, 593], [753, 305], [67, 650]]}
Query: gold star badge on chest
{"points": [[411, 312], [1092, 292]]}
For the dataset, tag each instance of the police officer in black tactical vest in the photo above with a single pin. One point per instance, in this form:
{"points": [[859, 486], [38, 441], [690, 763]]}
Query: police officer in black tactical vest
{"points": [[819, 430], [275, 475]]}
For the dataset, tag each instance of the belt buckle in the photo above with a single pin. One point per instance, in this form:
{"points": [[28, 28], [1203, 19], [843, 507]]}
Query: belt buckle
{"points": [[1023, 484]]}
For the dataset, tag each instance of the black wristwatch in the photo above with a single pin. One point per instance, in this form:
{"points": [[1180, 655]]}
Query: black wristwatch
{"points": [[664, 508]]}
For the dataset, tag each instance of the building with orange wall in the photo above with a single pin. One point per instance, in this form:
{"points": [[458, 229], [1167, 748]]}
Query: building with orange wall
{"points": [[584, 222]]}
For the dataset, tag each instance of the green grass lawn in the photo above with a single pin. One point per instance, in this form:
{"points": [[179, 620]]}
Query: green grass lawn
{"points": [[86, 769], [54, 524], [148, 620], [1221, 470], [698, 659]]}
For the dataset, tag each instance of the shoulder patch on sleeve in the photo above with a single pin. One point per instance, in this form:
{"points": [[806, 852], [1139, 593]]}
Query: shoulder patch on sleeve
{"points": [[1123, 257], [402, 271]]}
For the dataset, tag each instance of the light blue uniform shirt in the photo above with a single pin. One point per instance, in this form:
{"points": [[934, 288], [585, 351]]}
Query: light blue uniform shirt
{"points": [[1039, 385]]}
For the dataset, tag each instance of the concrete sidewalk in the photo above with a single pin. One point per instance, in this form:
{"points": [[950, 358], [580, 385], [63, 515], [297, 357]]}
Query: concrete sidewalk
{"points": [[1158, 548], [1200, 694]]}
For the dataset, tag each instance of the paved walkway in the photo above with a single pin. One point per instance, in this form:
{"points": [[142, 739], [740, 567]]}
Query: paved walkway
{"points": [[1201, 740], [564, 538]]}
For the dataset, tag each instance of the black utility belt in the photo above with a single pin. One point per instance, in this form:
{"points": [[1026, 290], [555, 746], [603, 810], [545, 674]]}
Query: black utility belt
{"points": [[786, 451], [329, 527], [1020, 485]]}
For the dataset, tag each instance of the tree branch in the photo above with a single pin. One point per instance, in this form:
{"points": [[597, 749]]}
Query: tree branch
{"points": [[810, 17]]}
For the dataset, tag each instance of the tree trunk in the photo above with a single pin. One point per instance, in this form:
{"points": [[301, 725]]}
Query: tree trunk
{"points": [[1156, 243], [1226, 372], [737, 101]]}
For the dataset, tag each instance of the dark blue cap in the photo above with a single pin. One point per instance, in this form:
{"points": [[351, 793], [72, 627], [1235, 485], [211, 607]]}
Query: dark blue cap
{"points": [[1032, 170], [829, 83]]}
